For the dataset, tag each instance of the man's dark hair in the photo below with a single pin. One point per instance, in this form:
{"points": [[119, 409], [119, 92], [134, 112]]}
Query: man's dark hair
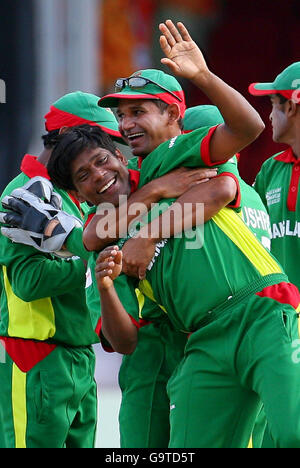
{"points": [[282, 99], [50, 139], [70, 144], [163, 106]]}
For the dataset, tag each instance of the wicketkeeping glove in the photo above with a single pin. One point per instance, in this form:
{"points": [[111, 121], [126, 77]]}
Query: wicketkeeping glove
{"points": [[28, 217]]}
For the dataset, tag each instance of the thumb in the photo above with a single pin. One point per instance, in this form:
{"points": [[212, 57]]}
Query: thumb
{"points": [[118, 257], [142, 273]]}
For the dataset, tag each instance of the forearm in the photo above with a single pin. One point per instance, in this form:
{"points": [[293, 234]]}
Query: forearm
{"points": [[197, 206], [105, 229], [117, 326], [242, 121], [37, 277]]}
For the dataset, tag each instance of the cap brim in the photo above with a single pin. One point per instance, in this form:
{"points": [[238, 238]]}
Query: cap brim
{"points": [[115, 134], [112, 100], [262, 89]]}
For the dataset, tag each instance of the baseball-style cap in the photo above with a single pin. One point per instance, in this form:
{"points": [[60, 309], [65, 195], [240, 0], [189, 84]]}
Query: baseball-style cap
{"points": [[287, 84], [201, 116], [153, 84], [80, 108]]}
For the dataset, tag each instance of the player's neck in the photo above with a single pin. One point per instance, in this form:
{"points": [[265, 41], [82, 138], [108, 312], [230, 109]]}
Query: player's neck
{"points": [[44, 156]]}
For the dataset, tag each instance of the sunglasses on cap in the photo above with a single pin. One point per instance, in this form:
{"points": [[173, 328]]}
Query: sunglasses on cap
{"points": [[137, 82]]}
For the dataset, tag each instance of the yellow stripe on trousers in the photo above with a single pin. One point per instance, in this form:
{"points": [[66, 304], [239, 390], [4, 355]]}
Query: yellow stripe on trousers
{"points": [[19, 406]]}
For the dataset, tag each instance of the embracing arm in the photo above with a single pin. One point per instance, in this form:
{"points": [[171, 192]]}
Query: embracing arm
{"points": [[96, 236], [197, 206]]}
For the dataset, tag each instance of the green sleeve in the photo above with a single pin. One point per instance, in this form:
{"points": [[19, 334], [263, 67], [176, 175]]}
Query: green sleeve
{"points": [[260, 185], [181, 151], [34, 275], [126, 290], [75, 245]]}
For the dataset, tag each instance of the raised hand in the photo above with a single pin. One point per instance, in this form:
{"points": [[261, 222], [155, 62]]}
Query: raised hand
{"points": [[182, 55]]}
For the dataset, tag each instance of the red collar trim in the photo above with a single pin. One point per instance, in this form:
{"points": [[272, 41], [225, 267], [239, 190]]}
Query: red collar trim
{"points": [[287, 157], [134, 177], [32, 167]]}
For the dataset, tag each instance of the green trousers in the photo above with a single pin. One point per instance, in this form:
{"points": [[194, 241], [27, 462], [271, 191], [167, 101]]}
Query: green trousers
{"points": [[241, 358], [143, 377], [53, 405]]}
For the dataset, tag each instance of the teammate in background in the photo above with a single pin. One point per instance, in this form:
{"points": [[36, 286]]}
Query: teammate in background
{"points": [[48, 392], [278, 179]]}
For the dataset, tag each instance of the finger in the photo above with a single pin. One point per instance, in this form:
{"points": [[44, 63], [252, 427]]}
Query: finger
{"points": [[142, 273], [173, 31], [184, 32], [201, 181], [56, 201], [12, 203], [167, 35], [118, 257], [104, 273], [170, 64], [40, 187], [109, 252], [104, 266], [13, 219]]}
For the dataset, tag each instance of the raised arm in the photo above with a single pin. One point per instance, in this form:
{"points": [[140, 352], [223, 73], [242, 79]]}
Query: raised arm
{"points": [[184, 58]]}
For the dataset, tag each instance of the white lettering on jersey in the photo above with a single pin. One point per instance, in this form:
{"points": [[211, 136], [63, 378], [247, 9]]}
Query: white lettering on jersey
{"points": [[256, 219], [285, 228], [273, 196], [158, 248], [172, 141]]}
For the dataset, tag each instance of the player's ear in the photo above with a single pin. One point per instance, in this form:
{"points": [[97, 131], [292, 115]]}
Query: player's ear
{"points": [[77, 195], [63, 130], [120, 156], [292, 107], [173, 113]]}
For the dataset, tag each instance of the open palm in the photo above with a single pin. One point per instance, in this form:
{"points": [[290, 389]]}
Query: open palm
{"points": [[182, 55]]}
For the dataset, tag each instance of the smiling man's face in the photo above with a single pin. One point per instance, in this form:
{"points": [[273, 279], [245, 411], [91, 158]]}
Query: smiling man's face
{"points": [[143, 125], [99, 176]]}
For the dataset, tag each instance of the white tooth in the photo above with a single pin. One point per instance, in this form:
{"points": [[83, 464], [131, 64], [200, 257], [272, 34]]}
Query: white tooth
{"points": [[107, 186], [135, 135]]}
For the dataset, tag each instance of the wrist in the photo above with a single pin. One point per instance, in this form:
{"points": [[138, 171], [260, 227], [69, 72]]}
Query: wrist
{"points": [[149, 237]]}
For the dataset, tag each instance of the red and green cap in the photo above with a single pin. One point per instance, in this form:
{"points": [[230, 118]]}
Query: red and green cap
{"points": [[165, 88], [201, 116], [80, 108], [287, 83]]}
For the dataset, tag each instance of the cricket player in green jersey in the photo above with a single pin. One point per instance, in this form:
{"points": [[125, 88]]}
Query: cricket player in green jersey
{"points": [[245, 302], [48, 391], [278, 179]]}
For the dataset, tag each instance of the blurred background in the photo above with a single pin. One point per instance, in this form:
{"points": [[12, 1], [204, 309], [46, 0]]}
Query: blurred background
{"points": [[52, 47]]}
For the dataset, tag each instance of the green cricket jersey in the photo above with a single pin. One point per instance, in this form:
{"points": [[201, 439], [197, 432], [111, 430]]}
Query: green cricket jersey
{"points": [[43, 297], [224, 257], [255, 214], [277, 184]]}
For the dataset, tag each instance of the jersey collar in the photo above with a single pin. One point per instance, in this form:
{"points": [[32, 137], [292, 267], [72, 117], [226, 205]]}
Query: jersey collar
{"points": [[287, 157], [33, 168]]}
